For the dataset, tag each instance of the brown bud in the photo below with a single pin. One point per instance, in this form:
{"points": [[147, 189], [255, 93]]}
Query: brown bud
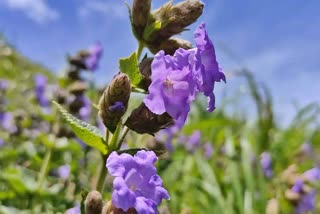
{"points": [[114, 101], [145, 70], [292, 196], [110, 209], [140, 14], [170, 46], [78, 87], [93, 203], [142, 120], [78, 60], [174, 19]]}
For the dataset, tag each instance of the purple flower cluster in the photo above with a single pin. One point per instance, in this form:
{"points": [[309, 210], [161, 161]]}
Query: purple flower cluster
{"points": [[40, 82], [95, 53], [7, 122], [266, 164], [307, 201], [177, 79], [136, 184]]}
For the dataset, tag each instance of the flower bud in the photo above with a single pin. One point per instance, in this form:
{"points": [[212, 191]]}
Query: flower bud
{"points": [[272, 206], [170, 46], [174, 19], [145, 70], [110, 209], [114, 101], [142, 120], [93, 203], [140, 14], [78, 88]]}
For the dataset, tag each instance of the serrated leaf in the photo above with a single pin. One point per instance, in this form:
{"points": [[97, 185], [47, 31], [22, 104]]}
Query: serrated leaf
{"points": [[89, 134], [130, 66], [150, 29]]}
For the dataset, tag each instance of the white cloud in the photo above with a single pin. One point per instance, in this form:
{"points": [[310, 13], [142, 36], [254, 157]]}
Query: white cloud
{"points": [[37, 10], [115, 9]]}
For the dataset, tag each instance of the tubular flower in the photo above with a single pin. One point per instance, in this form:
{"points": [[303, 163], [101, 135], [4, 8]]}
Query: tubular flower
{"points": [[176, 79], [136, 184], [266, 164], [95, 53], [40, 82]]}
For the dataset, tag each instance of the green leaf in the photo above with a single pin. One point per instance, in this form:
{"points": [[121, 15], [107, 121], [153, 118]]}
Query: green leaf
{"points": [[89, 134], [150, 29], [130, 66]]}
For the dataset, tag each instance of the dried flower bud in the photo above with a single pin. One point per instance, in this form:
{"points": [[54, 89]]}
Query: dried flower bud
{"points": [[174, 19], [78, 60], [142, 120], [110, 209], [145, 70], [140, 14], [170, 46], [78, 88], [93, 203], [291, 195], [114, 101]]}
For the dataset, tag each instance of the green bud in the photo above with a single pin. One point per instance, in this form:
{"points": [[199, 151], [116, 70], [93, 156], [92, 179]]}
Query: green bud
{"points": [[174, 19], [142, 120], [93, 203], [140, 13], [170, 46], [114, 101]]}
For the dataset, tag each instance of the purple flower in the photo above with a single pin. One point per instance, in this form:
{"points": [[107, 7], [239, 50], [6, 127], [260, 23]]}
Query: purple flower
{"points": [[172, 86], [307, 148], [208, 150], [40, 82], [74, 210], [298, 186], [266, 164], [7, 122], [95, 53], [193, 142], [85, 110], [64, 171], [136, 184], [306, 203], [1, 142], [176, 79], [117, 107], [312, 174], [3, 85], [210, 72]]}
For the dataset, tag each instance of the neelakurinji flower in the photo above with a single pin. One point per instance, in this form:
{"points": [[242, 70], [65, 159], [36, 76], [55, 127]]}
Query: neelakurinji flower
{"points": [[136, 184], [94, 55], [176, 79], [193, 142], [40, 82], [85, 110], [307, 200], [208, 150], [64, 171], [266, 164]]}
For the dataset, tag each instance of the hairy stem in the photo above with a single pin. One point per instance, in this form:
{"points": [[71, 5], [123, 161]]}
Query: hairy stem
{"points": [[103, 174]]}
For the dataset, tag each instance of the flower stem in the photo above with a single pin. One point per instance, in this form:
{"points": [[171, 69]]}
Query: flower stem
{"points": [[125, 132], [44, 167], [139, 50], [103, 174]]}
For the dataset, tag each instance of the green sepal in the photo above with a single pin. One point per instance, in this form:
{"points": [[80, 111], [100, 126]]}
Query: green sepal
{"points": [[86, 132]]}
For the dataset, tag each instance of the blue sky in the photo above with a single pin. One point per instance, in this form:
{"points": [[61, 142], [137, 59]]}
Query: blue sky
{"points": [[277, 40]]}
